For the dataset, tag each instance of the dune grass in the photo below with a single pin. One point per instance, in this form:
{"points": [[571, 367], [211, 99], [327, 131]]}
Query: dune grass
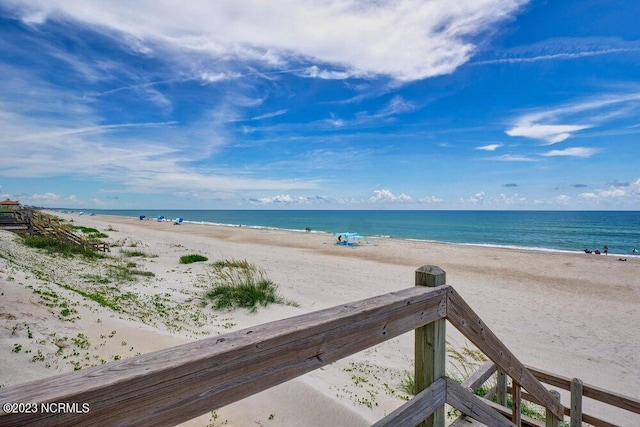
{"points": [[55, 246], [90, 232], [239, 284]]}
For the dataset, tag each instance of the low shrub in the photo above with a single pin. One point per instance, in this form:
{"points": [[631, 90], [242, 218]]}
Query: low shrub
{"points": [[188, 259]]}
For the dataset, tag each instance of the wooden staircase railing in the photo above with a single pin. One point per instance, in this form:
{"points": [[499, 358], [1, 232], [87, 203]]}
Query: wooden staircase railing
{"points": [[176, 384]]}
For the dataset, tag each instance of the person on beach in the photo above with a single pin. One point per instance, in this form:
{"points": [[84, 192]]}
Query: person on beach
{"points": [[633, 251], [605, 250]]}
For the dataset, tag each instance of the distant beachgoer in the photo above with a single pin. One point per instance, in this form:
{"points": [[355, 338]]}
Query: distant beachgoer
{"points": [[307, 230], [633, 251], [622, 259], [587, 251], [597, 252], [340, 238], [606, 250]]}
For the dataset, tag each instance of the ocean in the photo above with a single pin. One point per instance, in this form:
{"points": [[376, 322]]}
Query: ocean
{"points": [[571, 231]]}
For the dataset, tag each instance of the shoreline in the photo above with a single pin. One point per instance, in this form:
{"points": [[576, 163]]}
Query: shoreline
{"points": [[372, 237], [566, 313]]}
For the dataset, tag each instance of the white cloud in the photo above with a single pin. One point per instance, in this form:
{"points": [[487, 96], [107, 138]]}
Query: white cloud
{"points": [[513, 158], [617, 191], [407, 40], [477, 198], [281, 199], [384, 196], [572, 152], [46, 197], [551, 134], [218, 77], [557, 124], [431, 199], [563, 49], [489, 147]]}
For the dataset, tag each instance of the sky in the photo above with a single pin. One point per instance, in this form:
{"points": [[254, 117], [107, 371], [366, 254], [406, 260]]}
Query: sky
{"points": [[332, 104]]}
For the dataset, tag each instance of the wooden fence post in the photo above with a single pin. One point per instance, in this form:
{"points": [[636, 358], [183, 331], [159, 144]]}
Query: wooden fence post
{"points": [[430, 345], [501, 387], [552, 420], [516, 402], [576, 402]]}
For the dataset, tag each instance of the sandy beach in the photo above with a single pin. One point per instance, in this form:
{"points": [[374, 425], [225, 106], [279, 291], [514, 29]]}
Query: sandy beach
{"points": [[576, 315]]}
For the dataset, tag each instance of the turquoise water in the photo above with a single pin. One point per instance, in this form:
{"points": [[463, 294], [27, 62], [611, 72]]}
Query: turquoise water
{"points": [[542, 230]]}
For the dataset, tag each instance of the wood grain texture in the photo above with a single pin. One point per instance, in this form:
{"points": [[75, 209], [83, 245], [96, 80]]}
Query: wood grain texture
{"points": [[417, 409], [473, 406]]}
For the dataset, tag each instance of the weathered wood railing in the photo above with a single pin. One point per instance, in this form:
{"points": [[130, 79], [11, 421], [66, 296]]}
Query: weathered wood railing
{"points": [[170, 386], [35, 222]]}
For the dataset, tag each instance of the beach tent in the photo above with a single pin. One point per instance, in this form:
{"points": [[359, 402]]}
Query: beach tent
{"points": [[160, 217], [347, 238], [178, 221]]}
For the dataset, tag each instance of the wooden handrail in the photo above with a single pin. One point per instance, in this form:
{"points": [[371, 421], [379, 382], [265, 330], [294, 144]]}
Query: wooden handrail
{"points": [[462, 316], [614, 399], [170, 386], [173, 385]]}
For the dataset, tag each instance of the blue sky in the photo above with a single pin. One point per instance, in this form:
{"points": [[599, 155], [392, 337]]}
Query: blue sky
{"points": [[472, 104]]}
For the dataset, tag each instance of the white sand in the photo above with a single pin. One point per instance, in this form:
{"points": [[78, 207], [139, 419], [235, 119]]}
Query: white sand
{"points": [[576, 315]]}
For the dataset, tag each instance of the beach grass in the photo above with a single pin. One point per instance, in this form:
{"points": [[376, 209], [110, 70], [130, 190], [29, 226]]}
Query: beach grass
{"points": [[90, 232], [55, 246], [240, 284]]}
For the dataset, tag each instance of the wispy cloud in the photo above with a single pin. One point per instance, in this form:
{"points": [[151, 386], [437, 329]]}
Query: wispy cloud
{"points": [[270, 115], [513, 158], [551, 134], [562, 49], [489, 147], [572, 152], [408, 40], [557, 124]]}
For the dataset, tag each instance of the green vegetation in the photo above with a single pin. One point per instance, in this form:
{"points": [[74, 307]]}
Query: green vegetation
{"points": [[233, 263], [90, 232], [127, 253], [464, 362], [239, 284], [55, 246], [188, 259]]}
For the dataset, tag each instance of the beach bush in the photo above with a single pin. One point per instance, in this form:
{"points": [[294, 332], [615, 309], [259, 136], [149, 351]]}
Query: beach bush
{"points": [[239, 284], [188, 259]]}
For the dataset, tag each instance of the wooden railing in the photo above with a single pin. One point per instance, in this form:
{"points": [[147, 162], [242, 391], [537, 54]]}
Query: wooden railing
{"points": [[173, 385], [35, 222]]}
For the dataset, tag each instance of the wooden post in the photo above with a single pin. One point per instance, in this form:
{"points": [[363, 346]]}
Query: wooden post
{"points": [[516, 415], [430, 345], [501, 388], [552, 420], [576, 403]]}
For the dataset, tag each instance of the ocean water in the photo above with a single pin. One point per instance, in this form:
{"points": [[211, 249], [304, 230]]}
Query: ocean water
{"points": [[538, 230]]}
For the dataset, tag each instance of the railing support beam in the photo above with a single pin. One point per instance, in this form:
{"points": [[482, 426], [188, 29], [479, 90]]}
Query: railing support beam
{"points": [[551, 419], [576, 403], [430, 346]]}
